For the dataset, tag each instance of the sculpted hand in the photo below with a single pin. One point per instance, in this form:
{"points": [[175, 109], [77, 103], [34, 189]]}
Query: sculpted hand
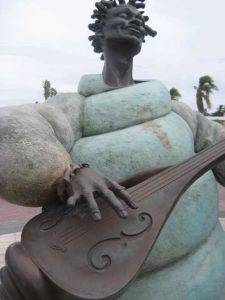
{"points": [[83, 183]]}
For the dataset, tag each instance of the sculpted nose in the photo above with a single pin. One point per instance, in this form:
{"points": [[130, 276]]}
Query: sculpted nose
{"points": [[136, 22]]}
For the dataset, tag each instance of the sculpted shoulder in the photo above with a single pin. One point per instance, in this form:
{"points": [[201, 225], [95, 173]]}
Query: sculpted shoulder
{"points": [[65, 110]]}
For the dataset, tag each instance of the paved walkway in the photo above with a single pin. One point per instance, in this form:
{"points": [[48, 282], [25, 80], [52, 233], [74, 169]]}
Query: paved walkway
{"points": [[5, 241], [13, 217]]}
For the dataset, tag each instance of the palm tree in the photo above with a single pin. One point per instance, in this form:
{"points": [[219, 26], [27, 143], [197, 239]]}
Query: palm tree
{"points": [[175, 94], [48, 90], [220, 112], [53, 92], [204, 90]]}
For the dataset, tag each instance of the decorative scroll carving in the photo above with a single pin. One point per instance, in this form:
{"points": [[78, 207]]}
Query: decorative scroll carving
{"points": [[51, 219], [101, 255], [142, 223]]}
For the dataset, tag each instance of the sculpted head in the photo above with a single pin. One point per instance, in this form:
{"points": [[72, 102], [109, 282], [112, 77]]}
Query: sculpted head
{"points": [[120, 25]]}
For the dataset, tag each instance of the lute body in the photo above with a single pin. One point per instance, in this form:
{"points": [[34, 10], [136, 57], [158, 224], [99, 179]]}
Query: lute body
{"points": [[98, 260]]}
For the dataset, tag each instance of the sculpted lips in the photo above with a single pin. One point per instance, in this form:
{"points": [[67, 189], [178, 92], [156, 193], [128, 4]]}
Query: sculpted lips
{"points": [[135, 29]]}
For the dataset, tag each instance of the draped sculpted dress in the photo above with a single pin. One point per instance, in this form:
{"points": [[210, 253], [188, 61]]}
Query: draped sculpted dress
{"points": [[121, 131]]}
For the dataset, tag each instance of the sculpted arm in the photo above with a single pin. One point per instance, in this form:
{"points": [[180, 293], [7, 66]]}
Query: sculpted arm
{"points": [[208, 133], [205, 133], [34, 144], [35, 163]]}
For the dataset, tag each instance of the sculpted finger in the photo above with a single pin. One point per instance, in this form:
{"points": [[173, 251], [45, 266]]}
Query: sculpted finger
{"points": [[92, 204], [72, 200], [121, 192], [125, 196], [66, 175], [114, 202]]}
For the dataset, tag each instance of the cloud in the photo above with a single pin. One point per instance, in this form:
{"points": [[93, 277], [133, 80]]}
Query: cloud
{"points": [[46, 39]]}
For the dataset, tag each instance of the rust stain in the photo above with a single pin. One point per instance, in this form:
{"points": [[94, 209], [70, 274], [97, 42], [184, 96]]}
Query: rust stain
{"points": [[155, 128], [142, 111]]}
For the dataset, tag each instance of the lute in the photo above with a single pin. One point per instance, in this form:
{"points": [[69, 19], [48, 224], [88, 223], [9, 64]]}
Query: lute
{"points": [[98, 260]]}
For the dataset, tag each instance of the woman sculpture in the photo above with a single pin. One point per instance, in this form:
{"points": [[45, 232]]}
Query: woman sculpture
{"points": [[119, 126]]}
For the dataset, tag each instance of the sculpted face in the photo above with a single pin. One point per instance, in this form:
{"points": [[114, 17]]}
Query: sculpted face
{"points": [[124, 26]]}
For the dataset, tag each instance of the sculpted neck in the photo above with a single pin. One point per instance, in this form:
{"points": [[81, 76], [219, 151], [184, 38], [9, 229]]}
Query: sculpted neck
{"points": [[118, 68]]}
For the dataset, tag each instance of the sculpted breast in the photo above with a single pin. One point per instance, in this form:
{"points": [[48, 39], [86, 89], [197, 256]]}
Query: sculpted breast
{"points": [[125, 107], [121, 138]]}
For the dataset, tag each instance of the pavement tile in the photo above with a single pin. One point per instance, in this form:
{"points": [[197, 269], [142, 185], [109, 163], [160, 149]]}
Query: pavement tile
{"points": [[5, 241], [13, 214]]}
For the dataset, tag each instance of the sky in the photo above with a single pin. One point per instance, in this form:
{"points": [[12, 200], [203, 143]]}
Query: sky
{"points": [[48, 39]]}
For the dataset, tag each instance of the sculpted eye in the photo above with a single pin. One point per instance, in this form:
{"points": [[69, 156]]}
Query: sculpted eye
{"points": [[123, 15]]}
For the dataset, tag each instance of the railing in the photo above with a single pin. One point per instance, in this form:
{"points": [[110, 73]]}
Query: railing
{"points": [[216, 118]]}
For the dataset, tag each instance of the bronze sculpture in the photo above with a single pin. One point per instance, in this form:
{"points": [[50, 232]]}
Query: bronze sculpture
{"points": [[130, 25], [124, 29]]}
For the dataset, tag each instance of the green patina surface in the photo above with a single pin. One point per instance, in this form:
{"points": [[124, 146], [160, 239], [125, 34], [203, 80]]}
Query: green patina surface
{"points": [[198, 276], [113, 110], [188, 260]]}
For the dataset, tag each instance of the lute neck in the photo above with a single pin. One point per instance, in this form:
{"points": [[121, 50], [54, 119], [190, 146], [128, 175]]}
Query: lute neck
{"points": [[191, 168]]}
